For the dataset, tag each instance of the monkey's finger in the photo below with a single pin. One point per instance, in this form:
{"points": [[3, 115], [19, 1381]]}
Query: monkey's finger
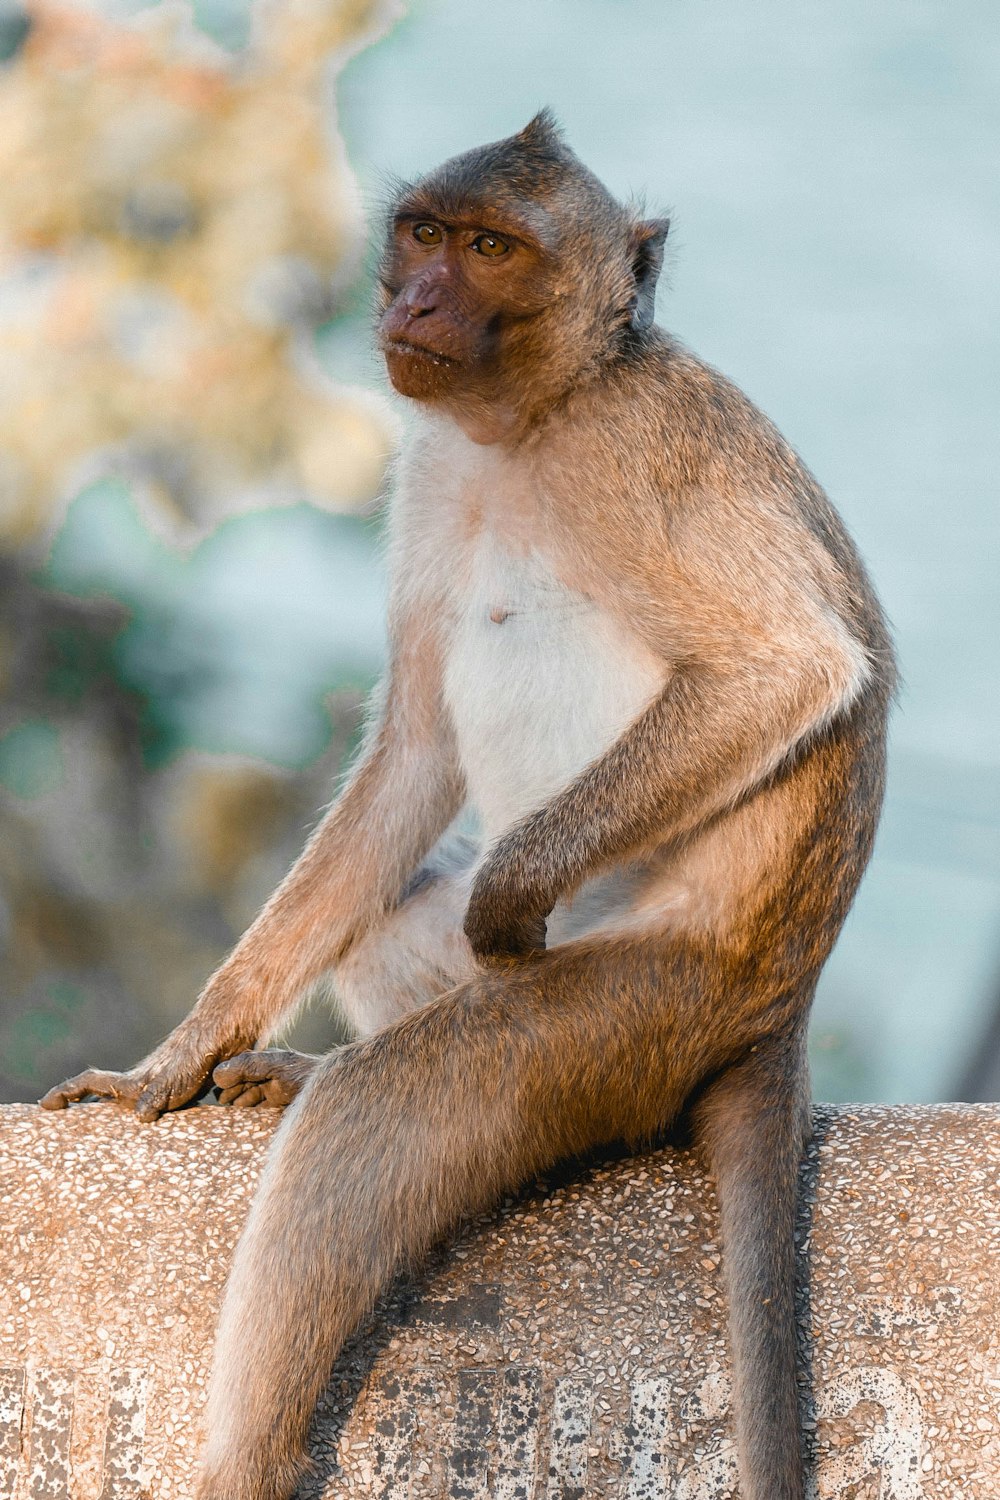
{"points": [[230, 1095], [91, 1081], [245, 1067], [250, 1096], [226, 1096], [280, 1092], [154, 1099]]}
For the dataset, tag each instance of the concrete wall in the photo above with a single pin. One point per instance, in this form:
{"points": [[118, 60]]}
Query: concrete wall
{"points": [[570, 1347]]}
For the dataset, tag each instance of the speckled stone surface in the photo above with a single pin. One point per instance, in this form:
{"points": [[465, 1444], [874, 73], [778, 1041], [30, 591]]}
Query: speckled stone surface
{"points": [[572, 1346]]}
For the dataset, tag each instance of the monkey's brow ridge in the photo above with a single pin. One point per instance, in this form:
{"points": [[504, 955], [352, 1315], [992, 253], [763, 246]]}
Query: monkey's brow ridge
{"points": [[533, 228]]}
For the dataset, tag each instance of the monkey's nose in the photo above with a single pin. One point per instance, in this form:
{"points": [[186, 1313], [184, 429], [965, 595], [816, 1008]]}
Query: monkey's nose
{"points": [[420, 304]]}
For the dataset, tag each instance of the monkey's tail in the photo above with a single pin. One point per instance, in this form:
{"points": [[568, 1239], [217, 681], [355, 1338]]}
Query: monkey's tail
{"points": [[754, 1122]]}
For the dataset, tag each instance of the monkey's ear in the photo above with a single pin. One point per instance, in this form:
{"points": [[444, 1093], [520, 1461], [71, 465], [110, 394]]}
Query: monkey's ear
{"points": [[647, 241]]}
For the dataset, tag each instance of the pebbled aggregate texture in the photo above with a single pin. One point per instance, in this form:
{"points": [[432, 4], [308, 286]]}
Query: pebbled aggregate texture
{"points": [[571, 1346]]}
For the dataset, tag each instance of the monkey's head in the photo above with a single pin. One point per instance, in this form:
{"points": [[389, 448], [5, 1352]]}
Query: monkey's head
{"points": [[508, 274]]}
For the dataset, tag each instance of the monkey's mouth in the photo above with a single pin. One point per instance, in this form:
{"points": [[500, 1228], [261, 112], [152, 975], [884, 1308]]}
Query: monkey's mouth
{"points": [[418, 351]]}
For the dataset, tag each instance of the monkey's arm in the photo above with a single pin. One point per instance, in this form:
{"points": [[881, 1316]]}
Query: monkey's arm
{"points": [[736, 706], [400, 798]]}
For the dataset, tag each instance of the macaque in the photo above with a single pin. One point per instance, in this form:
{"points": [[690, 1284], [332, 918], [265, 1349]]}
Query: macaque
{"points": [[620, 785]]}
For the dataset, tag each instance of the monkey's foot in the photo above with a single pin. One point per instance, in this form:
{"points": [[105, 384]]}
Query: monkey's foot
{"points": [[271, 1077]]}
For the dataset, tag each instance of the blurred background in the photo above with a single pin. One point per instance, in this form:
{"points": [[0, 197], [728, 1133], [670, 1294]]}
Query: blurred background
{"points": [[194, 437]]}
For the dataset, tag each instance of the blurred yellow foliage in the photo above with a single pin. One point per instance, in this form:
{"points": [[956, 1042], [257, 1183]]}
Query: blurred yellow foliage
{"points": [[173, 223]]}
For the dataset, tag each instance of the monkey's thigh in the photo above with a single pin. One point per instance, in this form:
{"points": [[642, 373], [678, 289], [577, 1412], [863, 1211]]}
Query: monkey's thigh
{"points": [[419, 951]]}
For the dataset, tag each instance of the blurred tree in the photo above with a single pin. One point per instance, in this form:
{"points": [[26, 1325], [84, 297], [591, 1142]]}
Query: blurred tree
{"points": [[172, 225], [175, 222]]}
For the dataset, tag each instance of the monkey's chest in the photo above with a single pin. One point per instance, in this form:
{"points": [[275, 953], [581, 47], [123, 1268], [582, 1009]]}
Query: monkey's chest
{"points": [[539, 682]]}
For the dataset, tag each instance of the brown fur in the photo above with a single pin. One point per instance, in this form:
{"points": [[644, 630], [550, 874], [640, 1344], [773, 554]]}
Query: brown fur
{"points": [[715, 845]]}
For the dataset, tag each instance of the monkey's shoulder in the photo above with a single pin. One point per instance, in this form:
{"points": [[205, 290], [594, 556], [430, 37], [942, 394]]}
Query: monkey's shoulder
{"points": [[665, 412], [666, 435]]}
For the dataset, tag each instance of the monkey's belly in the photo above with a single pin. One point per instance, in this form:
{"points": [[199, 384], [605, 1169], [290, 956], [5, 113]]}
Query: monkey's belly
{"points": [[539, 682]]}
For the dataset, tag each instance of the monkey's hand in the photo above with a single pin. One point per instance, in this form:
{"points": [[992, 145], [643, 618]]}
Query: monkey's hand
{"points": [[270, 1076], [503, 922]]}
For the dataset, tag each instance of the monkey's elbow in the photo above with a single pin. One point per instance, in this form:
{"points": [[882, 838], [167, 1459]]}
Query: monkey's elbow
{"points": [[842, 672]]}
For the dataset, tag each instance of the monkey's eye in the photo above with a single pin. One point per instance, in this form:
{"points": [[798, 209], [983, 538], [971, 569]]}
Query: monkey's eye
{"points": [[427, 234], [490, 244]]}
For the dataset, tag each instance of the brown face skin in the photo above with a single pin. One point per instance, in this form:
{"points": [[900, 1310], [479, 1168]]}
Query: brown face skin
{"points": [[451, 290]]}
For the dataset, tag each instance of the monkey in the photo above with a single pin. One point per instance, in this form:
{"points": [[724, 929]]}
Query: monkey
{"points": [[620, 784]]}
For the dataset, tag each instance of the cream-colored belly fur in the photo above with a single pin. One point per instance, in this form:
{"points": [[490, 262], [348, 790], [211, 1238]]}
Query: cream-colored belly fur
{"points": [[539, 682]]}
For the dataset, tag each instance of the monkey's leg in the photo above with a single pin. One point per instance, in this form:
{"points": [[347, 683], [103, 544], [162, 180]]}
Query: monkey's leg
{"points": [[753, 1123], [396, 1138]]}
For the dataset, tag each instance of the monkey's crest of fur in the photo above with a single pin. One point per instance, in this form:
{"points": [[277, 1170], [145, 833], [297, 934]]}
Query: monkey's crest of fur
{"points": [[528, 168]]}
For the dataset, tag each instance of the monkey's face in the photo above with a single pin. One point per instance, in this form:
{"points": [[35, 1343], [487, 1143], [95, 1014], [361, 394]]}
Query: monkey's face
{"points": [[452, 292]]}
